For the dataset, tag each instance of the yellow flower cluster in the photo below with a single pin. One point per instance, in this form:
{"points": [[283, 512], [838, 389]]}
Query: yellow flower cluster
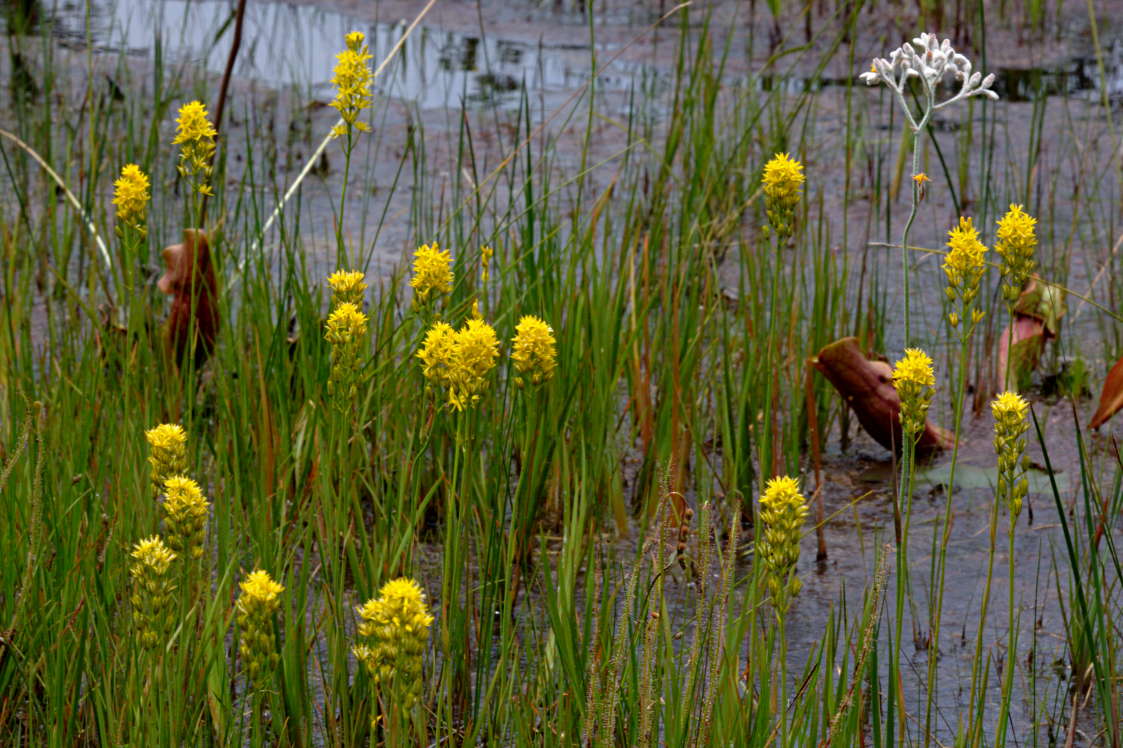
{"points": [[346, 331], [352, 79], [783, 511], [915, 382], [1010, 410], [167, 452], [460, 359], [396, 625], [256, 606], [185, 516], [1017, 241], [486, 254], [130, 195], [534, 350], [347, 287], [783, 180], [964, 266], [432, 271], [152, 590], [195, 135]]}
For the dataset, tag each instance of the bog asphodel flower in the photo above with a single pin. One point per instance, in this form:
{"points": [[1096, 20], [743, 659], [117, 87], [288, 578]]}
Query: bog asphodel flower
{"points": [[783, 180], [783, 511], [185, 516], [1017, 241], [534, 350], [1010, 425], [346, 331], [460, 360], [352, 78], [396, 627], [964, 265], [916, 383], [256, 607], [152, 590], [195, 135], [432, 271], [347, 287], [438, 353], [486, 254], [167, 452], [477, 348], [130, 196]]}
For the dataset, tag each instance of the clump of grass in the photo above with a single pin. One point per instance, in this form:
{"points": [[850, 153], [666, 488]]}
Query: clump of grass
{"points": [[557, 427]]}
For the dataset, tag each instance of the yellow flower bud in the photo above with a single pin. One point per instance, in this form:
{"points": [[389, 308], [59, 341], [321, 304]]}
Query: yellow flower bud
{"points": [[783, 511], [167, 452], [152, 590]]}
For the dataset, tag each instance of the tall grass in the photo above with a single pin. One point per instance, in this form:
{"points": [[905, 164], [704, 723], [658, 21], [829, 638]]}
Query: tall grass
{"points": [[587, 546]]}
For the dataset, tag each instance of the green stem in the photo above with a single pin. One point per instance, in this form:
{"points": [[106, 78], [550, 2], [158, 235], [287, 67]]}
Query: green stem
{"points": [[974, 731], [940, 554], [767, 468], [341, 249], [1011, 645], [904, 496]]}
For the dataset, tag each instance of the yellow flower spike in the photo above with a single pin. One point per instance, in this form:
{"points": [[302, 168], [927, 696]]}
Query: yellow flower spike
{"points": [[485, 262], [916, 383], [920, 178], [167, 452], [346, 331], [185, 516], [352, 78], [460, 360], [437, 354], [195, 135], [783, 179], [1010, 425], [256, 606], [396, 624], [964, 266], [130, 196], [476, 350], [354, 40], [347, 287], [783, 511], [432, 271], [152, 590], [1017, 242], [534, 350]]}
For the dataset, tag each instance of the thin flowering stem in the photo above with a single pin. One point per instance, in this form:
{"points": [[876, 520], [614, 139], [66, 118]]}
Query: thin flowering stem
{"points": [[931, 61], [939, 554]]}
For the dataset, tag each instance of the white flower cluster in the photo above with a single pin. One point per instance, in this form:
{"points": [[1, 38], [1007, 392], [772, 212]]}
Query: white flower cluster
{"points": [[933, 62]]}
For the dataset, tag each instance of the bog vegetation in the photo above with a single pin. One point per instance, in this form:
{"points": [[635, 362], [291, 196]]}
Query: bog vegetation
{"points": [[558, 478]]}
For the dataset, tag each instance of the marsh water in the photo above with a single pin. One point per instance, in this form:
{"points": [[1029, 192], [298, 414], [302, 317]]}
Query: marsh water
{"points": [[487, 61]]}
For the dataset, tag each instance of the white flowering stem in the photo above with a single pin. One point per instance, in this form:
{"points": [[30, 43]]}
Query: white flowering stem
{"points": [[917, 128]]}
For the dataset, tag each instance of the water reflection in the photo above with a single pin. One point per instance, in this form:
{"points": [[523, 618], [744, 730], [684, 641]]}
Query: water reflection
{"points": [[287, 45]]}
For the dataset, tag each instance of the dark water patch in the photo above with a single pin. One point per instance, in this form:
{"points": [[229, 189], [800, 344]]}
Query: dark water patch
{"points": [[296, 45]]}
